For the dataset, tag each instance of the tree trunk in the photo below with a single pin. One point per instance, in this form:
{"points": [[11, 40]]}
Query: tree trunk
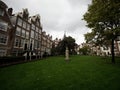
{"points": [[112, 51]]}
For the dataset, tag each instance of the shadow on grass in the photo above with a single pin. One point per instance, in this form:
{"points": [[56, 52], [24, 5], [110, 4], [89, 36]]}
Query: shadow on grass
{"points": [[108, 60]]}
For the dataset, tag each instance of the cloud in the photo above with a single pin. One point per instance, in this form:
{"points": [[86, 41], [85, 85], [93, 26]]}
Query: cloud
{"points": [[57, 16], [79, 2]]}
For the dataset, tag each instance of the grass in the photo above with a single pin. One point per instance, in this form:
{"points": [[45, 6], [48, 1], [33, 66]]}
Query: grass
{"points": [[54, 73]]}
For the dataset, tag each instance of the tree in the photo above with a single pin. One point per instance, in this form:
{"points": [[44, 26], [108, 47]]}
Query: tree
{"points": [[103, 17], [66, 42], [89, 37], [85, 50], [54, 50]]}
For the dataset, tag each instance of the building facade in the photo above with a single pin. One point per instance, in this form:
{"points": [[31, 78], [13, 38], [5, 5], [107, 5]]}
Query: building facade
{"points": [[5, 30], [22, 29], [103, 50], [21, 34], [57, 41], [49, 44], [29, 36]]}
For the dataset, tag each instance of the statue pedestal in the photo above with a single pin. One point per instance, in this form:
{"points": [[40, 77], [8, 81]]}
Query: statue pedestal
{"points": [[67, 54]]}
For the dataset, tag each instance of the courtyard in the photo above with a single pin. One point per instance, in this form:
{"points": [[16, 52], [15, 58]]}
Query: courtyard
{"points": [[54, 73]]}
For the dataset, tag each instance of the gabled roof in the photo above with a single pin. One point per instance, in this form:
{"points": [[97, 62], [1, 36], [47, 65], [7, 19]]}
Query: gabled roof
{"points": [[35, 17], [5, 8], [3, 5], [23, 14]]}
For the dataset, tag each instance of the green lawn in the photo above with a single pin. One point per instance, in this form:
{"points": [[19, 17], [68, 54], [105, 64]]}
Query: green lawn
{"points": [[54, 73]]}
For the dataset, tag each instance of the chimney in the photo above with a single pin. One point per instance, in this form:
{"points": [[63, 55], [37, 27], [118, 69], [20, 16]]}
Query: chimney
{"points": [[10, 10]]}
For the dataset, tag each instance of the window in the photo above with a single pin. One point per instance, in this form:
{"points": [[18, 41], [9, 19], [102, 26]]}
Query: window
{"points": [[31, 44], [18, 31], [23, 33], [3, 25], [17, 42], [36, 35], [36, 44], [32, 34], [98, 48], [27, 35], [1, 12], [33, 27], [3, 39], [105, 48], [40, 31], [21, 42], [24, 25], [26, 45], [28, 26], [37, 29], [19, 22], [39, 37]]}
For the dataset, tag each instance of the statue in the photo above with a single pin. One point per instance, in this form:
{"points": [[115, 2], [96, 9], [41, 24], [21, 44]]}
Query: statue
{"points": [[67, 54]]}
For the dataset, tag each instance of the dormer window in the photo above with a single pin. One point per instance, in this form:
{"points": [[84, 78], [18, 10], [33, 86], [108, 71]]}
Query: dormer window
{"points": [[1, 12]]}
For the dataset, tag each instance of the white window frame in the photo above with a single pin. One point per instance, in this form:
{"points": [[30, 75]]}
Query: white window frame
{"points": [[18, 31], [18, 41], [28, 26], [23, 33], [3, 36], [22, 42], [24, 24], [19, 22], [32, 34], [27, 35], [33, 27], [36, 35]]}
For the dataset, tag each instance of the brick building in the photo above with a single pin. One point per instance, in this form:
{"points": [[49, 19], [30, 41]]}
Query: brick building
{"points": [[5, 30], [21, 34]]}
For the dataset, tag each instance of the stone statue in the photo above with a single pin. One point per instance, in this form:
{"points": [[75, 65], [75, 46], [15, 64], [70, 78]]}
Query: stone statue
{"points": [[67, 54]]}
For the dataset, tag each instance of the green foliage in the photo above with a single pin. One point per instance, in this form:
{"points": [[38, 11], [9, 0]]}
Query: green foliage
{"points": [[81, 73], [54, 50], [85, 50], [103, 17], [66, 42], [89, 37], [103, 20]]}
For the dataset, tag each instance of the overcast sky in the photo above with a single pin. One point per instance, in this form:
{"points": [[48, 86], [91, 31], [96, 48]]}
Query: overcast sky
{"points": [[57, 16]]}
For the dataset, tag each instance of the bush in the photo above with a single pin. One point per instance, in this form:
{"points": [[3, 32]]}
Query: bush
{"points": [[11, 59], [85, 50]]}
